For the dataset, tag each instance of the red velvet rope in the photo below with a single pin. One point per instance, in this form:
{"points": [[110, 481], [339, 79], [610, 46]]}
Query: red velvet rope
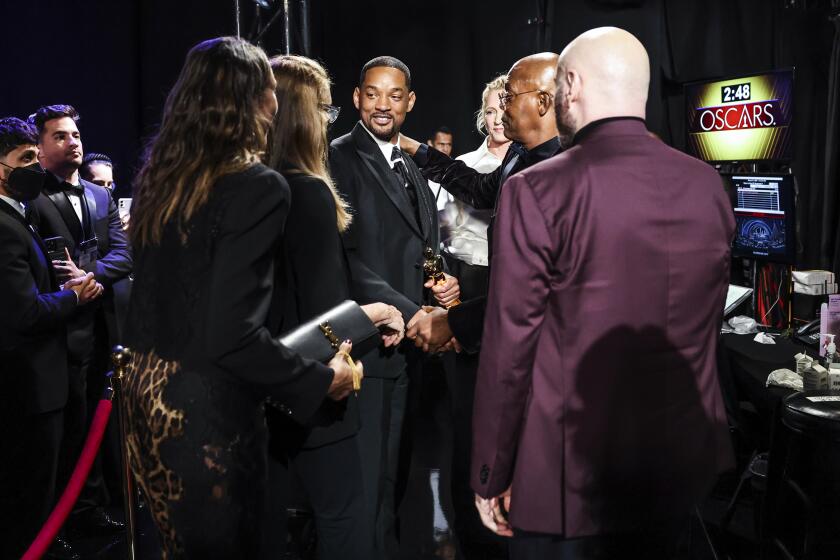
{"points": [[80, 473]]}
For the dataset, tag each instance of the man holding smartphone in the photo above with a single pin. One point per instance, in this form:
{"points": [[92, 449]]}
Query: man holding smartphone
{"points": [[85, 216], [33, 348]]}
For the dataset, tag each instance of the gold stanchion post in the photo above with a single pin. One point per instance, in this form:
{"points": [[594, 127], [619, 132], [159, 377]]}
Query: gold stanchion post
{"points": [[120, 357]]}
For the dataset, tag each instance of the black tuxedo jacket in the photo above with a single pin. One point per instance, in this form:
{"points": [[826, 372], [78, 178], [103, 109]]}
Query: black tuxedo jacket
{"points": [[54, 217], [33, 337], [384, 244]]}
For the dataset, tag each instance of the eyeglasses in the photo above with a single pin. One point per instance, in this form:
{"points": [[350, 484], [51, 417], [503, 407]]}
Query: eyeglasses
{"points": [[505, 97], [331, 110]]}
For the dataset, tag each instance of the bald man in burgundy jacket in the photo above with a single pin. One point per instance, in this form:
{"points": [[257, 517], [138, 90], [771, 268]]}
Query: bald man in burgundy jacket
{"points": [[597, 409]]}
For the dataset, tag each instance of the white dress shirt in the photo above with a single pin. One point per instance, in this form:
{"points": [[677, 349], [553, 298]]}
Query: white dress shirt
{"points": [[387, 148], [467, 226], [75, 199]]}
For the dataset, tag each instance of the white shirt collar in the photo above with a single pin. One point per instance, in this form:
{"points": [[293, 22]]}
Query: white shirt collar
{"points": [[481, 156], [17, 205], [387, 148], [485, 147]]}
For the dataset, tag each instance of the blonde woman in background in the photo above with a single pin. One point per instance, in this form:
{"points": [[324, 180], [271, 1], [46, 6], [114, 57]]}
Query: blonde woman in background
{"points": [[467, 227]]}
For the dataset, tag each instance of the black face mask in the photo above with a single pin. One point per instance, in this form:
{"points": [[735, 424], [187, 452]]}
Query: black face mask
{"points": [[25, 183]]}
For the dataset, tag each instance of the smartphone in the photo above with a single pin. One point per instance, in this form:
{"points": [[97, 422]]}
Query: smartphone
{"points": [[55, 248], [124, 207]]}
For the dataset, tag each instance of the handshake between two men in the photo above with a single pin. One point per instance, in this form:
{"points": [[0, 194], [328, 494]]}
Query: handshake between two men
{"points": [[429, 328]]}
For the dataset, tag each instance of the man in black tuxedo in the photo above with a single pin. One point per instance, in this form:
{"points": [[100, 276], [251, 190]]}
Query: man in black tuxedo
{"points": [[394, 221], [33, 349], [86, 217]]}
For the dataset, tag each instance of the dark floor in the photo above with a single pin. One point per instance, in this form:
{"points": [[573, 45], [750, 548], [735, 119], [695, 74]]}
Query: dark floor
{"points": [[426, 514]]}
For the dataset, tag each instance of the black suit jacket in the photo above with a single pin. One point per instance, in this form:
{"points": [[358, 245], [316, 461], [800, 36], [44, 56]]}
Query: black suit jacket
{"points": [[481, 191], [384, 244], [207, 302], [33, 337], [54, 217], [312, 278]]}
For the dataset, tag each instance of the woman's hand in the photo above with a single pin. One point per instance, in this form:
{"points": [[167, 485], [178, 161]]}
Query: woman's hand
{"points": [[342, 383], [379, 313], [389, 320]]}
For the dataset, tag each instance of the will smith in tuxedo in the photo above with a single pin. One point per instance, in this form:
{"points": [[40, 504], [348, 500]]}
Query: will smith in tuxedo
{"points": [[394, 220]]}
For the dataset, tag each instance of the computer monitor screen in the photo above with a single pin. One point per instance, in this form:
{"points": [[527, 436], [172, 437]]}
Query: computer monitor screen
{"points": [[765, 220], [747, 118]]}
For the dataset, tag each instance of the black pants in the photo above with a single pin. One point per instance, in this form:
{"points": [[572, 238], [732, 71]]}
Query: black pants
{"points": [[81, 404], [28, 463], [331, 476], [382, 408], [661, 543], [475, 539]]}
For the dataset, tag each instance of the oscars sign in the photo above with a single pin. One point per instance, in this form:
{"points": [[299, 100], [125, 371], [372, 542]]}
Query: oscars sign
{"points": [[741, 119]]}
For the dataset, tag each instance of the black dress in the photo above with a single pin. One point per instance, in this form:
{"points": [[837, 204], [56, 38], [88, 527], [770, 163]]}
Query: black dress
{"points": [[324, 456], [204, 363]]}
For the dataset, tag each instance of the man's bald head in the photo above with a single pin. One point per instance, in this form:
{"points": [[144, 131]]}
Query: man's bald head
{"points": [[529, 112], [536, 71], [605, 72]]}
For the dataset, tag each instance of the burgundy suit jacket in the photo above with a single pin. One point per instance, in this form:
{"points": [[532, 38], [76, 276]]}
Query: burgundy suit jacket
{"points": [[597, 397]]}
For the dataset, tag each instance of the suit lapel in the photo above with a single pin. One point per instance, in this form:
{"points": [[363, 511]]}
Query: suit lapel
{"points": [[43, 258], [65, 209], [372, 159], [425, 200], [90, 199], [7, 209]]}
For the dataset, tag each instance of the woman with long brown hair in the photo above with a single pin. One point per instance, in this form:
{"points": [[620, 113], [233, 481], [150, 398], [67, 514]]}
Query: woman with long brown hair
{"points": [[206, 226], [325, 457]]}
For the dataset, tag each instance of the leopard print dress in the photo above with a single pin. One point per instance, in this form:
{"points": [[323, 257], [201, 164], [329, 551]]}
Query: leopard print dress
{"points": [[190, 464]]}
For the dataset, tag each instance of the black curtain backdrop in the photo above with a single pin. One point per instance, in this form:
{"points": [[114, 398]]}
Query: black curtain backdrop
{"points": [[830, 250], [115, 61]]}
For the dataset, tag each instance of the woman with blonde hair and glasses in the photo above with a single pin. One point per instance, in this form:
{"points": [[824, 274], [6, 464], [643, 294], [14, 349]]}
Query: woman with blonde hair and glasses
{"points": [[325, 457], [206, 226]]}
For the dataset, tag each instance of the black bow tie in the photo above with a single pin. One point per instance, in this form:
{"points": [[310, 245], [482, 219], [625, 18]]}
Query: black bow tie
{"points": [[73, 189]]}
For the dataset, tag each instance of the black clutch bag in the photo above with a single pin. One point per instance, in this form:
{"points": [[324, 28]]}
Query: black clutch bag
{"points": [[319, 338]]}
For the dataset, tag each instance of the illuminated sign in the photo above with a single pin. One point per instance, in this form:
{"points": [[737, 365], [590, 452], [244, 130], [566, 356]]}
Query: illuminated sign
{"points": [[741, 119]]}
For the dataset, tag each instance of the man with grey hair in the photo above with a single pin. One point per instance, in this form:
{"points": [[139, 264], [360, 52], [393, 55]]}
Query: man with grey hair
{"points": [[598, 420]]}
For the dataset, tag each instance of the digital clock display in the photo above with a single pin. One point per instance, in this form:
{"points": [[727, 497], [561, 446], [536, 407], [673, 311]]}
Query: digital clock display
{"points": [[735, 92], [741, 118]]}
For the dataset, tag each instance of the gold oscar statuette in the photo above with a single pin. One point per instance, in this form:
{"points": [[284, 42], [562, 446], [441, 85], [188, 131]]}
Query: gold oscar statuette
{"points": [[433, 269]]}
